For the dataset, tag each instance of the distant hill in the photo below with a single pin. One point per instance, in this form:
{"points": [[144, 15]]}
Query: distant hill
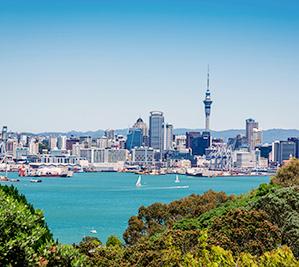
{"points": [[268, 135]]}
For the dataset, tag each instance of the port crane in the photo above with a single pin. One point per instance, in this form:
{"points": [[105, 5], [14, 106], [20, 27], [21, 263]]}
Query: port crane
{"points": [[221, 158]]}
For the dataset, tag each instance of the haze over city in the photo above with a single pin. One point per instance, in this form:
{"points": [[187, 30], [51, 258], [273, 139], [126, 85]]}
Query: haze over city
{"points": [[70, 65]]}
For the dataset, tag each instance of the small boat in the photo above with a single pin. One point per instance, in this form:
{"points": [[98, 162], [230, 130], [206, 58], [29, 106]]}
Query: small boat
{"points": [[93, 231], [14, 180], [35, 181], [177, 179], [4, 179], [138, 183]]}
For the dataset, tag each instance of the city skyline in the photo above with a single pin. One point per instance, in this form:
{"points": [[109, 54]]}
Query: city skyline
{"points": [[95, 65]]}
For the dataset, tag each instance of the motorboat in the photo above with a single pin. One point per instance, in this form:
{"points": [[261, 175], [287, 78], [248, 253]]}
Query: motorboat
{"points": [[35, 181]]}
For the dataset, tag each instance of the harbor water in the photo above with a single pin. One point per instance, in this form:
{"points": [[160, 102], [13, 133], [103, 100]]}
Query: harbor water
{"points": [[103, 202]]}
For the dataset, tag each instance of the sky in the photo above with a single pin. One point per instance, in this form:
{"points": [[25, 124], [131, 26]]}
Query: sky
{"points": [[96, 64]]}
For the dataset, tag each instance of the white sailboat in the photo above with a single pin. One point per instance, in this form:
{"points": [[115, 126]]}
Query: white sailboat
{"points": [[177, 179], [138, 183]]}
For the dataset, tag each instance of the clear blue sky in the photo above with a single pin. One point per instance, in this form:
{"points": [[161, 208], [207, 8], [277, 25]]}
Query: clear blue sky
{"points": [[87, 64]]}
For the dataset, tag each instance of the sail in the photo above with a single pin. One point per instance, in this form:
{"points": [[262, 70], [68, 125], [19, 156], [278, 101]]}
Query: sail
{"points": [[177, 180], [138, 183]]}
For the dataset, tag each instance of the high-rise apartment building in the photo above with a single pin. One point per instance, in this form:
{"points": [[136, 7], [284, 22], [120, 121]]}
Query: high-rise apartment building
{"points": [[156, 136]]}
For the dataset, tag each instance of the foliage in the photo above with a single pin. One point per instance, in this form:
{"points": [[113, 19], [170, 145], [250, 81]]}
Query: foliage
{"points": [[110, 256], [288, 175], [206, 219], [113, 241], [89, 244], [22, 229], [282, 206], [157, 217], [61, 256], [186, 248], [245, 231]]}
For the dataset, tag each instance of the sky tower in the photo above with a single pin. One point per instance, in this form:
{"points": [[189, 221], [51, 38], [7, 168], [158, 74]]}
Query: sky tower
{"points": [[208, 102]]}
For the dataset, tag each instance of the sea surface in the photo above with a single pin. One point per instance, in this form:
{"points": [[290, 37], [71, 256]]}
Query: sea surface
{"points": [[105, 201]]}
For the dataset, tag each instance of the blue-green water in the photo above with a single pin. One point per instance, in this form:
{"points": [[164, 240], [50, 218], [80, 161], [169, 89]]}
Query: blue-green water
{"points": [[105, 201]]}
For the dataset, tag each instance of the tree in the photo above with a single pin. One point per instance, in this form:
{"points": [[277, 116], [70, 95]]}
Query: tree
{"points": [[158, 217], [113, 241], [282, 207], [245, 231], [288, 175], [89, 244], [22, 229]]}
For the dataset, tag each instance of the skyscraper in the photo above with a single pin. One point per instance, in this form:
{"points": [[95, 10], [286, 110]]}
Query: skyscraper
{"points": [[168, 136], [140, 124], [134, 138], [208, 103], [251, 124], [198, 142], [156, 136], [61, 142]]}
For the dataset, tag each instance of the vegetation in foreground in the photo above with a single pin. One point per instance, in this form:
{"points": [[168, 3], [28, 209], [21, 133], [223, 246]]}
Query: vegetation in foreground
{"points": [[260, 228]]}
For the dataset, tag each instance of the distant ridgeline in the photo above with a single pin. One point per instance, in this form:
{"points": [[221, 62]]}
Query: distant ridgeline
{"points": [[268, 135], [260, 228]]}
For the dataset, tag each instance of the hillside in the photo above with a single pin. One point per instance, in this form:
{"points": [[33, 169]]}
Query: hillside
{"points": [[268, 135]]}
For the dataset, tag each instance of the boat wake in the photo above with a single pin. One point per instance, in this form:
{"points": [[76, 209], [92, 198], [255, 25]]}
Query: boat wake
{"points": [[167, 187]]}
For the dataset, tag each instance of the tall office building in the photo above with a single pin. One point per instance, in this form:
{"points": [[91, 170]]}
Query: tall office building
{"points": [[110, 134], [296, 141], [257, 137], [156, 136], [140, 124], [61, 142], [283, 150], [275, 151], [198, 142], [52, 142], [134, 138], [168, 136], [208, 103], [251, 124], [4, 134]]}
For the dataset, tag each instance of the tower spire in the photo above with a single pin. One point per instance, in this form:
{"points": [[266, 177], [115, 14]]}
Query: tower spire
{"points": [[208, 77]]}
